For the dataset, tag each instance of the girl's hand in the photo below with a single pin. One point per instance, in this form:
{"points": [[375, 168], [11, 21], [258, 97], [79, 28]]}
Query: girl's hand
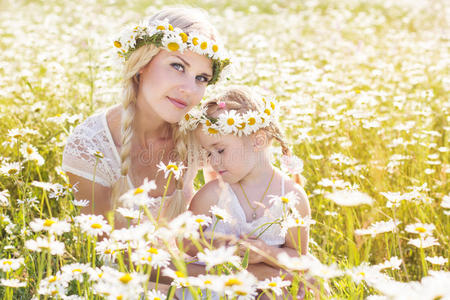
{"points": [[255, 246]]}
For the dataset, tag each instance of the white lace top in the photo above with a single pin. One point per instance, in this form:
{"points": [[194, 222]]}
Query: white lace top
{"points": [[79, 154], [239, 225]]}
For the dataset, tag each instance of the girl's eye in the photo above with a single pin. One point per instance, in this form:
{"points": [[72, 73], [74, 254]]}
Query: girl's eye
{"points": [[178, 67], [208, 154], [220, 151], [201, 78]]}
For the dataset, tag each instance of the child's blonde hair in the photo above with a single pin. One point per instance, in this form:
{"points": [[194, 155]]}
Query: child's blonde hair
{"points": [[189, 20], [241, 99]]}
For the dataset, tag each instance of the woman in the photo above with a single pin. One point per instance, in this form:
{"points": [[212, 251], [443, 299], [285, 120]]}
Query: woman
{"points": [[169, 61]]}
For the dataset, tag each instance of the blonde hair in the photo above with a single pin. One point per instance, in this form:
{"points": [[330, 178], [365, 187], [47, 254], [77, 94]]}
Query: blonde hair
{"points": [[242, 99], [189, 20]]}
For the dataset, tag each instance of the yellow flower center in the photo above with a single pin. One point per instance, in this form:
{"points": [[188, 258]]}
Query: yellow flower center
{"points": [[96, 226], [119, 297], [421, 229], [173, 46], [251, 121], [138, 191], [212, 130], [12, 171], [208, 123], [199, 220], [195, 41], [179, 274], [241, 126], [55, 292], [170, 27], [272, 105], [7, 262], [203, 45], [117, 44], [187, 117], [215, 48], [126, 278], [53, 279], [29, 150], [267, 111], [156, 298], [362, 273], [241, 293], [172, 167], [49, 223], [233, 281], [108, 251], [160, 27], [76, 271], [184, 37], [207, 282], [153, 250], [284, 200], [272, 284], [230, 121]]}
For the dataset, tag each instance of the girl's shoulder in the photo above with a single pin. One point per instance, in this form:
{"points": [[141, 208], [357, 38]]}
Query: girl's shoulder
{"points": [[206, 197]]}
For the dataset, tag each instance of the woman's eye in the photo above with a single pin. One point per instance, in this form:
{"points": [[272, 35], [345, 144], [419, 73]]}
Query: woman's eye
{"points": [[208, 154], [202, 78], [178, 67]]}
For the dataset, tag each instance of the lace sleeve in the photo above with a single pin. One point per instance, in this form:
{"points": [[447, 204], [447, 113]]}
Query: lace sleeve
{"points": [[79, 156]]}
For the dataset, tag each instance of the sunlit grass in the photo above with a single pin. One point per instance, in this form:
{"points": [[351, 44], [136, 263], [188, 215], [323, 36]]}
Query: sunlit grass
{"points": [[364, 91]]}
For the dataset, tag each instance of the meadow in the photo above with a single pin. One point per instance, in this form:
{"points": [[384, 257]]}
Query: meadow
{"points": [[363, 90]]}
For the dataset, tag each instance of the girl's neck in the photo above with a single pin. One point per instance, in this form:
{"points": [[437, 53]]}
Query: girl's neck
{"points": [[258, 176]]}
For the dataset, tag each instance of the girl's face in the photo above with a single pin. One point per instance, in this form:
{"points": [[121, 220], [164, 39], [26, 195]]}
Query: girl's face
{"points": [[172, 83], [230, 156]]}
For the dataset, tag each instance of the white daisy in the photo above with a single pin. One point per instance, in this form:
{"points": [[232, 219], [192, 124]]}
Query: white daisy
{"points": [[93, 225], [437, 260], [253, 121], [171, 168], [275, 284], [349, 198], [420, 228], [219, 256], [13, 283], [4, 195], [173, 42], [229, 122], [10, 169], [221, 214], [11, 264], [427, 241], [53, 226], [139, 196]]}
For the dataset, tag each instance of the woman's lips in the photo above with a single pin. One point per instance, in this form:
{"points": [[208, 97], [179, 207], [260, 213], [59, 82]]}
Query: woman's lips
{"points": [[221, 172], [178, 103]]}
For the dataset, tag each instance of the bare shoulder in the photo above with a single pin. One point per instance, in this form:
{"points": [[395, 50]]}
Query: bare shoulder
{"points": [[206, 197], [303, 205]]}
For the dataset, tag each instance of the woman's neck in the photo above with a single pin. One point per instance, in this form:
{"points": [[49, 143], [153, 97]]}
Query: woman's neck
{"points": [[149, 127]]}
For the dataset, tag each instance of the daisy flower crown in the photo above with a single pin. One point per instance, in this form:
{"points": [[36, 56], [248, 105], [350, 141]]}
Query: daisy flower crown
{"points": [[231, 121], [164, 35]]}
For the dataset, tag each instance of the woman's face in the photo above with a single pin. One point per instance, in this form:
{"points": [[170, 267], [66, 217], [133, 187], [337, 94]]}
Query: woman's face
{"points": [[172, 83]]}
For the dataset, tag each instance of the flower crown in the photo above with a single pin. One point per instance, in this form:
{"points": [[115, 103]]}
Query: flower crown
{"points": [[230, 121], [164, 35]]}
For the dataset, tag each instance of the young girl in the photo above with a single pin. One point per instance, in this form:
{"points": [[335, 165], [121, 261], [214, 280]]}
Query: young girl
{"points": [[236, 130]]}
